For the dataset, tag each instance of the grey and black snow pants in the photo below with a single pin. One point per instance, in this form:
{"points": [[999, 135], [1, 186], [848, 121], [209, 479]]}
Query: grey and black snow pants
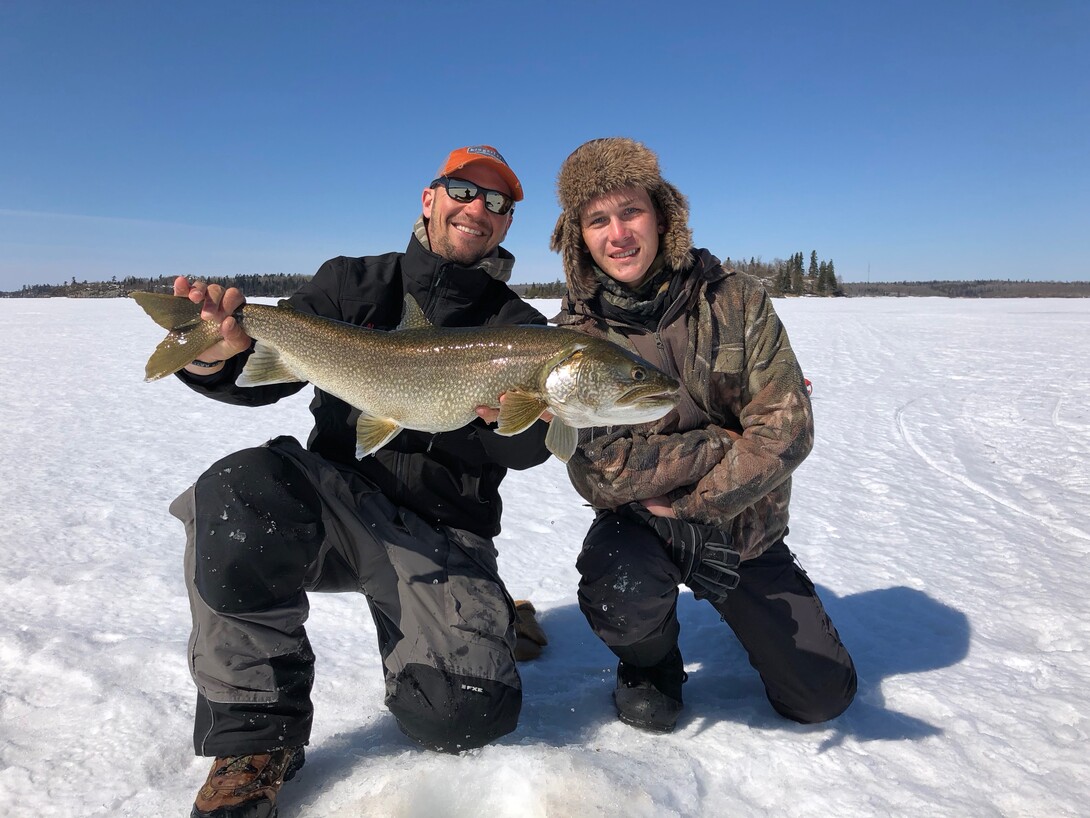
{"points": [[267, 525], [628, 591]]}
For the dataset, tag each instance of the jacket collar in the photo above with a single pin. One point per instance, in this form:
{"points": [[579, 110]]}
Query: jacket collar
{"points": [[450, 294], [705, 270], [498, 264]]}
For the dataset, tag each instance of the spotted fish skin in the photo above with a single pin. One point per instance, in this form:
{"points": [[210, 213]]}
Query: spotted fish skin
{"points": [[430, 378]]}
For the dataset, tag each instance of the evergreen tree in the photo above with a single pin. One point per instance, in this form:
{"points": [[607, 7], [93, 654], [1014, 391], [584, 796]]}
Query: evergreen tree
{"points": [[796, 274], [813, 265], [783, 282], [826, 277]]}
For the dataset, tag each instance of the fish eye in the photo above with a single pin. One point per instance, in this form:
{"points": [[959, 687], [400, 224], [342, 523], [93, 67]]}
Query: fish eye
{"points": [[638, 373]]}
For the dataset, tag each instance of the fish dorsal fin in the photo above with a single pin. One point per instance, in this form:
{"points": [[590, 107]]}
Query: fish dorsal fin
{"points": [[372, 433], [519, 411], [265, 366], [561, 439], [412, 317]]}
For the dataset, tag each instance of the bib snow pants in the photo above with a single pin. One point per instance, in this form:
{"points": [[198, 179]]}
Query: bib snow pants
{"points": [[628, 592], [268, 525]]}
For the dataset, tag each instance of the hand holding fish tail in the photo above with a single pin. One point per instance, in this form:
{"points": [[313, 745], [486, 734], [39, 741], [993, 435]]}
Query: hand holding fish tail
{"points": [[218, 305]]}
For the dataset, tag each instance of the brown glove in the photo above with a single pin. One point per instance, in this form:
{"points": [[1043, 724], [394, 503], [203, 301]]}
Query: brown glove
{"points": [[529, 636]]}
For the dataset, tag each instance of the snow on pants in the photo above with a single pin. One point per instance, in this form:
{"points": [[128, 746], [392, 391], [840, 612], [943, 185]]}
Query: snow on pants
{"points": [[267, 525], [628, 592]]}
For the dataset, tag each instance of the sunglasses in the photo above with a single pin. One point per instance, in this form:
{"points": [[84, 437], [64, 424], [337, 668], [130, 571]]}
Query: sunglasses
{"points": [[462, 191]]}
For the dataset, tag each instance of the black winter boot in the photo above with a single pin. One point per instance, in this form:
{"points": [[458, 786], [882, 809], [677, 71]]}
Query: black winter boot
{"points": [[650, 697]]}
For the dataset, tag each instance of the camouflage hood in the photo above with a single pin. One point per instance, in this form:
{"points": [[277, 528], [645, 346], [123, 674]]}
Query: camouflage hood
{"points": [[601, 166]]}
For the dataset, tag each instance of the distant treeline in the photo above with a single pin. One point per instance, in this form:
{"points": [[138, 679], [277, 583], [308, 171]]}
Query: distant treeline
{"points": [[971, 289], [780, 278], [788, 277], [272, 285], [553, 289]]}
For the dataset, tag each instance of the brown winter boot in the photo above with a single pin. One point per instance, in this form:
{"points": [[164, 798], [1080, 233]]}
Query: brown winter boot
{"points": [[530, 637], [246, 786]]}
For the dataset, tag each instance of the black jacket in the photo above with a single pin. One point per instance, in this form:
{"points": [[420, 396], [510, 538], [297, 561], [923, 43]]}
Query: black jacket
{"points": [[449, 478]]}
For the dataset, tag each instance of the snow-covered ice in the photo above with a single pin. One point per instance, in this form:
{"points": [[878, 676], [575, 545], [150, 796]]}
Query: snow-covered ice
{"points": [[944, 514]]}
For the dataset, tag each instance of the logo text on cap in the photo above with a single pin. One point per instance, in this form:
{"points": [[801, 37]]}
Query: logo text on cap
{"points": [[483, 151]]}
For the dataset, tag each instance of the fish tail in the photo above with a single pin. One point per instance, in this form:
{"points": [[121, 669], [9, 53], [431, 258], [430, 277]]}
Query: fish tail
{"points": [[188, 334]]}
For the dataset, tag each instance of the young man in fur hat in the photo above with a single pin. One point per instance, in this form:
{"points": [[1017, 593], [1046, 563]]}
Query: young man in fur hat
{"points": [[700, 497]]}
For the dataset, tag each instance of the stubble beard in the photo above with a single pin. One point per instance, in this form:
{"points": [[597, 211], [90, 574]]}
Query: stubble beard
{"points": [[450, 252]]}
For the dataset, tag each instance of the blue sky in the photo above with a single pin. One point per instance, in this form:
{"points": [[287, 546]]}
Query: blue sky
{"points": [[903, 140]]}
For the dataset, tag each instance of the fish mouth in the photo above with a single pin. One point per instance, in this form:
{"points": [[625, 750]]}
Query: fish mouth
{"points": [[649, 396]]}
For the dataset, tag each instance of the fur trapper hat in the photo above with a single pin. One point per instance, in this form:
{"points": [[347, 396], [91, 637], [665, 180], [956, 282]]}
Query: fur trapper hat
{"points": [[601, 166]]}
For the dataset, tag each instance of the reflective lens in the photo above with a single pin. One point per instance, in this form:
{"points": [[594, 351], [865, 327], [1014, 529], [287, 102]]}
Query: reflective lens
{"points": [[462, 191]]}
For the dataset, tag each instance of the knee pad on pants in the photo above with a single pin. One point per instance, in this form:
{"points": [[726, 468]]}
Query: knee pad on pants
{"points": [[452, 713], [258, 525]]}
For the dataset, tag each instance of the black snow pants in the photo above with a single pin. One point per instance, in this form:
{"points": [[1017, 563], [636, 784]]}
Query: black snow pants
{"points": [[628, 592], [267, 525]]}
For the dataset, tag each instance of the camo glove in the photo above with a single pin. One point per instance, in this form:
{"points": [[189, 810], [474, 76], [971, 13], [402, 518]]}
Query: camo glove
{"points": [[703, 554]]}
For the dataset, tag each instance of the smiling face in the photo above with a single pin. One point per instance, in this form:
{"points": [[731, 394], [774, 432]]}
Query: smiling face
{"points": [[466, 233], [621, 229]]}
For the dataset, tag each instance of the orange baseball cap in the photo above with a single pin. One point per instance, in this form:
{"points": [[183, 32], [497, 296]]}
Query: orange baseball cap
{"points": [[460, 157]]}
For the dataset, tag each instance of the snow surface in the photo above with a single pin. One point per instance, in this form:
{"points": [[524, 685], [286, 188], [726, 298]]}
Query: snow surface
{"points": [[944, 515]]}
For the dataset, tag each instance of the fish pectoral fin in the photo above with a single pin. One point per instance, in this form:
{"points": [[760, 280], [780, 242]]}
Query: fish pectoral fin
{"points": [[373, 433], [266, 366], [561, 439], [518, 412]]}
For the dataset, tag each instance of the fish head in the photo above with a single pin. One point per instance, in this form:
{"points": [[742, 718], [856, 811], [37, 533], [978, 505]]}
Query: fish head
{"points": [[594, 382]]}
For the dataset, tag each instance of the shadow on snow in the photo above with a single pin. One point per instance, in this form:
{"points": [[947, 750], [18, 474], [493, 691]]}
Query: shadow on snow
{"points": [[567, 692]]}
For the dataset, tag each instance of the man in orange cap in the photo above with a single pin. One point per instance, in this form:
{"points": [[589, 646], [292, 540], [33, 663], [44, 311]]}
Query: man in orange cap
{"points": [[410, 527]]}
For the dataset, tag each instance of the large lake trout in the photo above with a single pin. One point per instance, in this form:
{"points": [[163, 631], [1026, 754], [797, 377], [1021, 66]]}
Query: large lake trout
{"points": [[429, 378]]}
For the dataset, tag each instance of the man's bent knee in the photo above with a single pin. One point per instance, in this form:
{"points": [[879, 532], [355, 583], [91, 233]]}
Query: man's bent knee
{"points": [[819, 705], [452, 713], [257, 527]]}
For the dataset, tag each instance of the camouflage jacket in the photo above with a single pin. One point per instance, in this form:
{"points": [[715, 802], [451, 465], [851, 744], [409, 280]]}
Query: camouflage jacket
{"points": [[725, 456]]}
